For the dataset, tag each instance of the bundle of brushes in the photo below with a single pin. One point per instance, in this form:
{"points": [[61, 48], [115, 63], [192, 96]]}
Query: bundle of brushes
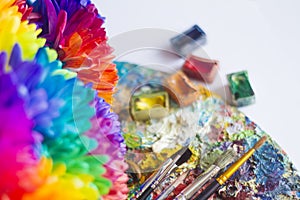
{"points": [[221, 162], [190, 192], [193, 189], [215, 184]]}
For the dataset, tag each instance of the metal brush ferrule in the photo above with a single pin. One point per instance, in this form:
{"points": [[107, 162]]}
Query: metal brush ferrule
{"points": [[234, 167], [194, 187]]}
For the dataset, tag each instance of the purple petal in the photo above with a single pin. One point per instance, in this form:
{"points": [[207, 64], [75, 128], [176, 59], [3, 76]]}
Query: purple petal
{"points": [[2, 62], [38, 103], [16, 56], [28, 74], [85, 2], [63, 4], [56, 6], [52, 18]]}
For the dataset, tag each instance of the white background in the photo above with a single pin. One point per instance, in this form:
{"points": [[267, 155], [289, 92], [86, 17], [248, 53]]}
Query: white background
{"points": [[261, 36]]}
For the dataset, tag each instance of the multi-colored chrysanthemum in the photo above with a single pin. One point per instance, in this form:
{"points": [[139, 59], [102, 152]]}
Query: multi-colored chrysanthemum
{"points": [[59, 140]]}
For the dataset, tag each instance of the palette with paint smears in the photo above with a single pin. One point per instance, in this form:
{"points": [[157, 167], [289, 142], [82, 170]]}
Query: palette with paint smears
{"points": [[209, 126]]}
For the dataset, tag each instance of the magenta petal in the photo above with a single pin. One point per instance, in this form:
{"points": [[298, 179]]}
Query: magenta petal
{"points": [[61, 25]]}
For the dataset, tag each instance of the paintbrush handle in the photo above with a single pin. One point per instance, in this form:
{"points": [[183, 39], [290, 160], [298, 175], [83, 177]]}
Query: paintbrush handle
{"points": [[235, 166], [145, 194], [154, 177], [166, 193], [161, 176], [210, 190]]}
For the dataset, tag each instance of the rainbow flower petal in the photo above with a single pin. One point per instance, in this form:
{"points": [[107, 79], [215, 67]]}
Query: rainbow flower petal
{"points": [[23, 8], [74, 29], [18, 142], [106, 130], [55, 104], [14, 30], [49, 95]]}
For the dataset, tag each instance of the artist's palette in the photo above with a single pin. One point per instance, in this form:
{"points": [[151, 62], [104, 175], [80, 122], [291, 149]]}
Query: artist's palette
{"points": [[209, 126]]}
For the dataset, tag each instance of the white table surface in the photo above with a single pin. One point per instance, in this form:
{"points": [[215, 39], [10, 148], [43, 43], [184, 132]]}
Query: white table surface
{"points": [[262, 37]]}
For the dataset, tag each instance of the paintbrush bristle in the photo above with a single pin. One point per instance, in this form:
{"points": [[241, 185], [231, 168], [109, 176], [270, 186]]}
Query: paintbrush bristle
{"points": [[260, 142], [226, 158], [179, 152], [184, 157]]}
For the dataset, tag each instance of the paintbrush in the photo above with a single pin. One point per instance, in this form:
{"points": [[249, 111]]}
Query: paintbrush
{"points": [[160, 171], [221, 162], [214, 185], [174, 185], [178, 160]]}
